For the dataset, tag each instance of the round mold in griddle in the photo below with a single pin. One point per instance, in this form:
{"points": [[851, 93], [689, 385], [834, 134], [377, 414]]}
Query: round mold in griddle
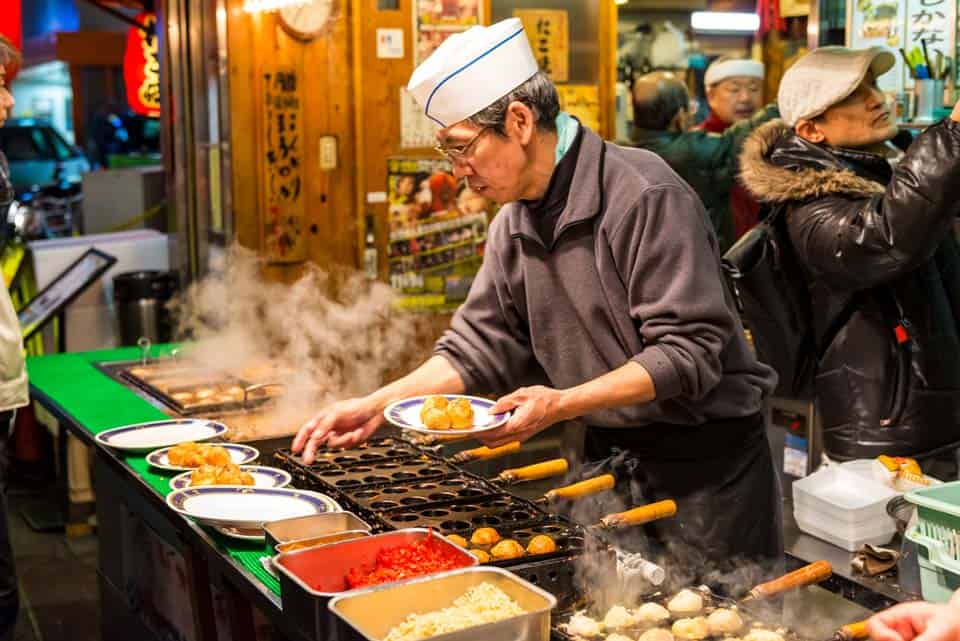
{"points": [[403, 476], [435, 514], [345, 459], [551, 529], [442, 496], [486, 521], [365, 494], [367, 456], [386, 466], [406, 517], [394, 490], [347, 483], [430, 471], [469, 491], [500, 503], [413, 500], [518, 515], [360, 470], [335, 473], [417, 462], [464, 509], [373, 478], [395, 452], [454, 526], [424, 486], [384, 505]]}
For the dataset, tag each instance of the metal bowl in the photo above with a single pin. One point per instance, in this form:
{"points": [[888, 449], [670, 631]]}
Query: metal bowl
{"points": [[901, 511]]}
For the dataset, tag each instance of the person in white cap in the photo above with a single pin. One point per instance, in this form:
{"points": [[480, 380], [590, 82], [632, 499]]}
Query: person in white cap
{"points": [[601, 283], [873, 235], [734, 92]]}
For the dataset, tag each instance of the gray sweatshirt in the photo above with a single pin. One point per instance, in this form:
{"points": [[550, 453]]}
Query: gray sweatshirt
{"points": [[632, 273]]}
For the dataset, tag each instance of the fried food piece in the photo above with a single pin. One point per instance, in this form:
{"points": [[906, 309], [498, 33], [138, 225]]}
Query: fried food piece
{"points": [[616, 636], [656, 634], [618, 618], [434, 402], [215, 455], [231, 474], [581, 625], [485, 536], [762, 635], [723, 621], [482, 556], [185, 455], [686, 603], [507, 549], [435, 419], [458, 540], [461, 414], [205, 392], [203, 475], [652, 614], [691, 629], [541, 544]]}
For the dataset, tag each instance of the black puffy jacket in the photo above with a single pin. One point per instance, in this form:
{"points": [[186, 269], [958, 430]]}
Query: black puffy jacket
{"points": [[883, 270]]}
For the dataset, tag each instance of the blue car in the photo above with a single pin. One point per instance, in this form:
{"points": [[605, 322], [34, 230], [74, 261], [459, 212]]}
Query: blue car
{"points": [[39, 155]]}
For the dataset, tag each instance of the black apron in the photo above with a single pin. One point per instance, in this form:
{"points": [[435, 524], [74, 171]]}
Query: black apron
{"points": [[728, 531]]}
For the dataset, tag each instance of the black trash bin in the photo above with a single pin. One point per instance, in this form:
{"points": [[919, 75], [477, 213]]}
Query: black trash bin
{"points": [[141, 303]]}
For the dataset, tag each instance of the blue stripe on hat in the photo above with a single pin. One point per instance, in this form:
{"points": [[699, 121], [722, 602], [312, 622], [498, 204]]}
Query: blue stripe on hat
{"points": [[426, 110]]}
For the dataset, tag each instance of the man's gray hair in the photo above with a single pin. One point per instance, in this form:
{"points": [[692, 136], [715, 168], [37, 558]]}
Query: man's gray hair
{"points": [[539, 93]]}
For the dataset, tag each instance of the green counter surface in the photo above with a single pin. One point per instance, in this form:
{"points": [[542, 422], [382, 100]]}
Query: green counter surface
{"points": [[94, 402]]}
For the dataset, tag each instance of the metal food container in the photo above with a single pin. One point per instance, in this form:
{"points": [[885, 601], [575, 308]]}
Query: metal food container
{"points": [[310, 578], [373, 612], [313, 526], [317, 541]]}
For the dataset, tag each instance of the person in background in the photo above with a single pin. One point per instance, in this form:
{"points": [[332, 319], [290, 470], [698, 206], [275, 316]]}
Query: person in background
{"points": [[708, 162], [13, 374], [918, 620], [600, 296], [734, 93], [872, 230]]}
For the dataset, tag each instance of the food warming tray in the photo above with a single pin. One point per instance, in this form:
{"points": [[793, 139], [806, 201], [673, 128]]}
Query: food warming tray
{"points": [[372, 613], [325, 568]]}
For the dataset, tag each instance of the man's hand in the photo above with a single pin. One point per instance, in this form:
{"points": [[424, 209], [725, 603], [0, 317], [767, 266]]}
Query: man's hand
{"points": [[534, 410], [343, 424], [955, 115], [917, 620]]}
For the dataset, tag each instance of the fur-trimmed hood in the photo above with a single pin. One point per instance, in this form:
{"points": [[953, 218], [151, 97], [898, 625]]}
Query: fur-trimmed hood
{"points": [[772, 183]]}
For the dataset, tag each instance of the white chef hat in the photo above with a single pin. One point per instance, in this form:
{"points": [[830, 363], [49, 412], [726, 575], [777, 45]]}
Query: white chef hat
{"points": [[731, 68], [472, 70]]}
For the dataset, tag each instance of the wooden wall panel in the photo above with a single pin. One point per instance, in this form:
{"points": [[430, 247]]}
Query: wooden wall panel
{"points": [[256, 43]]}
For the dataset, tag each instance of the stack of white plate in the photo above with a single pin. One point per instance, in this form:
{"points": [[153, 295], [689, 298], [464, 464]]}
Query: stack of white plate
{"points": [[844, 508]]}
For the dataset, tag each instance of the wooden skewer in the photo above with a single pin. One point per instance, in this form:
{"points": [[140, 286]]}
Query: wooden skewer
{"points": [[807, 575], [639, 515], [534, 472], [580, 490]]}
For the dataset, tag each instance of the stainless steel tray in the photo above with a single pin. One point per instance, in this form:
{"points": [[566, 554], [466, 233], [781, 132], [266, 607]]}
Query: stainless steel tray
{"points": [[374, 612], [315, 525]]}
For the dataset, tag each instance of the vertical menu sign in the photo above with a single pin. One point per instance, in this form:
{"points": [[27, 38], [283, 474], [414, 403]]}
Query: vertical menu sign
{"points": [[548, 33], [933, 22], [283, 188]]}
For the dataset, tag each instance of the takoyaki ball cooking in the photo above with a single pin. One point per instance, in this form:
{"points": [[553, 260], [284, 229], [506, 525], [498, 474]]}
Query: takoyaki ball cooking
{"points": [[457, 540], [616, 636], [541, 544], [435, 419], [580, 625], [656, 634], [481, 556], [461, 414], [506, 549], [686, 603], [652, 614], [691, 629], [618, 618], [762, 635], [485, 536], [724, 622]]}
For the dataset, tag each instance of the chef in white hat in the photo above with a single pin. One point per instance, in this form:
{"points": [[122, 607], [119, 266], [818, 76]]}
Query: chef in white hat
{"points": [[601, 283], [734, 92]]}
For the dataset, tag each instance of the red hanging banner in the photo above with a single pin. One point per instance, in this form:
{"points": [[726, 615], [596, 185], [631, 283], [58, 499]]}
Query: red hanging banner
{"points": [[141, 67], [10, 26]]}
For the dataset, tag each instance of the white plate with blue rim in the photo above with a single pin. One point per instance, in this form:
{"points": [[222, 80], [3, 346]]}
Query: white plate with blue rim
{"points": [[263, 476], [239, 454], [405, 414], [245, 507], [144, 437]]}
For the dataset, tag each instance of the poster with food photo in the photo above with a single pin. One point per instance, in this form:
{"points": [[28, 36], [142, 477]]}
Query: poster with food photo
{"points": [[461, 13], [438, 229]]}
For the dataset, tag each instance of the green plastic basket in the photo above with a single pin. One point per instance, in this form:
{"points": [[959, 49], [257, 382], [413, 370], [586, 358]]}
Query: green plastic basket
{"points": [[937, 535]]}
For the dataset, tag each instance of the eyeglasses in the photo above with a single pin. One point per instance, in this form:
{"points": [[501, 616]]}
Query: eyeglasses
{"points": [[459, 152]]}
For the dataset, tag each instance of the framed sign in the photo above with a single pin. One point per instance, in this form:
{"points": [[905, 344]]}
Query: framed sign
{"points": [[64, 289], [549, 38]]}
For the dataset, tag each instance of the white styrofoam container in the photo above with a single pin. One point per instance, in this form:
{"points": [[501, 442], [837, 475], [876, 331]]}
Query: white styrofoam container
{"points": [[850, 545], [874, 527], [842, 495]]}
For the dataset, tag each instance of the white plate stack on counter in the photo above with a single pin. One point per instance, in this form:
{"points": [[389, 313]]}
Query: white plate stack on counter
{"points": [[846, 504]]}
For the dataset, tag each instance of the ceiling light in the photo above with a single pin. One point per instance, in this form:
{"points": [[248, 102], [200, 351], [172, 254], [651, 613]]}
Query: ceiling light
{"points": [[725, 22]]}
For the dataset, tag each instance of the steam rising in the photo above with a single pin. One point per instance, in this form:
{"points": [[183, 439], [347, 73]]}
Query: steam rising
{"points": [[330, 335]]}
